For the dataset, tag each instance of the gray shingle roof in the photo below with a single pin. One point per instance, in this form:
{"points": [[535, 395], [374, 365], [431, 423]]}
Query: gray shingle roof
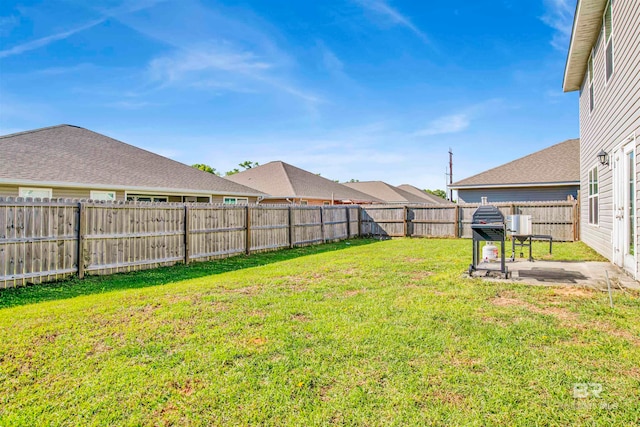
{"points": [[557, 164], [71, 155], [280, 179], [420, 193], [387, 192]]}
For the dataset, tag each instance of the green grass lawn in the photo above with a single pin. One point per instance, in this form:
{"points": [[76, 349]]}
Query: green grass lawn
{"points": [[353, 333]]}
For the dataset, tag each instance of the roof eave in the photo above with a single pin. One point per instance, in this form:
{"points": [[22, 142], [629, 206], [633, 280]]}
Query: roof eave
{"points": [[159, 190], [586, 23], [520, 185]]}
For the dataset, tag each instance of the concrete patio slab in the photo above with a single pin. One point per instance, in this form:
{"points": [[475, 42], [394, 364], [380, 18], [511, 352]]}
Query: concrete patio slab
{"points": [[581, 274]]}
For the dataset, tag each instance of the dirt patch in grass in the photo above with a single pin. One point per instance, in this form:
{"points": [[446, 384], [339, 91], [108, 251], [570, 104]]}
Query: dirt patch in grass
{"points": [[258, 341], [508, 299], [566, 317], [421, 275], [573, 292], [354, 292], [246, 290], [300, 317]]}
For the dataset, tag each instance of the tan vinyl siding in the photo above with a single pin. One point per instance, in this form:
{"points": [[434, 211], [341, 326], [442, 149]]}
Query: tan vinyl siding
{"points": [[615, 117], [58, 192]]}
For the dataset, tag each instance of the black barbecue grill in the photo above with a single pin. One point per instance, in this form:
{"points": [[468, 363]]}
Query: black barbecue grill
{"points": [[488, 225]]}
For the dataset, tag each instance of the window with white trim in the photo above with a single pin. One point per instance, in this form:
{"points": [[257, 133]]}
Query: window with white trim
{"points": [[607, 25], [593, 196], [146, 198], [235, 201], [33, 192], [109, 196]]}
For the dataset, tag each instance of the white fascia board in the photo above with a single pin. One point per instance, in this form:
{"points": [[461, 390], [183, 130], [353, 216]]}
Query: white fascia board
{"points": [[158, 190]]}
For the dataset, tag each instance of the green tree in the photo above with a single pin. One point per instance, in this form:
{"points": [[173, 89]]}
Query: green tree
{"points": [[440, 193], [354, 180], [206, 168], [244, 165], [248, 164]]}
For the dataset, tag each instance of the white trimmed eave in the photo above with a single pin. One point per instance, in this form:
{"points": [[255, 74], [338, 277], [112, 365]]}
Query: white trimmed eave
{"points": [[587, 23], [337, 199], [156, 190], [522, 185]]}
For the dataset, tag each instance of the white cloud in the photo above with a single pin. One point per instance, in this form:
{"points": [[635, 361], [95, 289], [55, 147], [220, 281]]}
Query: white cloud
{"points": [[453, 123], [41, 42], [44, 41], [382, 8], [559, 16], [179, 64]]}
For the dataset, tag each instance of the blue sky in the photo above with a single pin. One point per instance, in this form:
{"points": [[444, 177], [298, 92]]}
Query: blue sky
{"points": [[351, 89]]}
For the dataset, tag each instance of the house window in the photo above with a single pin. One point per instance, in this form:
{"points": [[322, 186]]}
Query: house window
{"points": [[304, 202], [109, 196], [590, 80], [608, 41], [593, 196], [32, 192], [235, 201], [146, 198], [326, 203]]}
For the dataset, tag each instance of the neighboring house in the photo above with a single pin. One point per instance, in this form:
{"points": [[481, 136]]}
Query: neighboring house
{"points": [[546, 175], [389, 193], [603, 65], [72, 162], [291, 185], [431, 198]]}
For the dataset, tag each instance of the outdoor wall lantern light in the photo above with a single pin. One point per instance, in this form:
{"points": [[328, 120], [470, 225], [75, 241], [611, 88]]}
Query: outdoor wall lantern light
{"points": [[603, 157]]}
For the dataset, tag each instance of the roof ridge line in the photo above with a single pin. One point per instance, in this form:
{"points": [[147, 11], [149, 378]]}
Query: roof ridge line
{"points": [[24, 132]]}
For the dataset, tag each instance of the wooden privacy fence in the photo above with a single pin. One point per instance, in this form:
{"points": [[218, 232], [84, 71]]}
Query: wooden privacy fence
{"points": [[558, 219], [49, 240]]}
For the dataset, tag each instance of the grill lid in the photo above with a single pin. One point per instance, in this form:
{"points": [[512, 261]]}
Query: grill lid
{"points": [[487, 214]]}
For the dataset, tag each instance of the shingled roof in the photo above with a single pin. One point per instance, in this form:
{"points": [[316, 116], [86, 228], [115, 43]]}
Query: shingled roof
{"points": [[430, 198], [282, 180], [555, 165], [72, 156], [388, 193]]}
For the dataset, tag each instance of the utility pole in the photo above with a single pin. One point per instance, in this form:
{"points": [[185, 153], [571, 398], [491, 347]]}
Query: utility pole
{"points": [[450, 174]]}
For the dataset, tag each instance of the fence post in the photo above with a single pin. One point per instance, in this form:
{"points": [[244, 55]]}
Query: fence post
{"points": [[291, 234], [359, 221], [187, 237], [322, 224], [82, 231], [348, 212], [456, 224], [405, 223], [576, 224], [248, 236]]}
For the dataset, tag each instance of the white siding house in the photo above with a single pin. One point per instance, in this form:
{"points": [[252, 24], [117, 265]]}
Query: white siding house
{"points": [[603, 63]]}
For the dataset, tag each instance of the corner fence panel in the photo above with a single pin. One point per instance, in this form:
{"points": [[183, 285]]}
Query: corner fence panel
{"points": [[38, 241], [47, 240]]}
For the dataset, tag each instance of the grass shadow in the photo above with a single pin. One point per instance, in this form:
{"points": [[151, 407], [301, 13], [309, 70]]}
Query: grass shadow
{"points": [[74, 287]]}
